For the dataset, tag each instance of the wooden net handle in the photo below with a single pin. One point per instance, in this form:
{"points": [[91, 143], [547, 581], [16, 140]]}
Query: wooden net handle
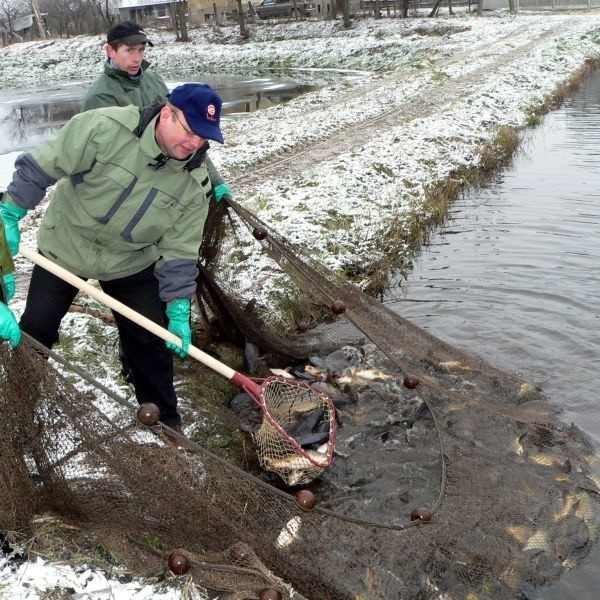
{"points": [[136, 317]]}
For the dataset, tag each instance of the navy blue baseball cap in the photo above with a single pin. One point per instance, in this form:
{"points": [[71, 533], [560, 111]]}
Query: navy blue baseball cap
{"points": [[201, 106]]}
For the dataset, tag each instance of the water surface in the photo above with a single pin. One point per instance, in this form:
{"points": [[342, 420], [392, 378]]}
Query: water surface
{"points": [[27, 116], [514, 277]]}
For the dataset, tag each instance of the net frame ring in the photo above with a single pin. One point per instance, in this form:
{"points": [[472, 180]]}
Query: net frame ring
{"points": [[179, 564], [338, 307], [260, 232], [411, 381], [306, 500], [148, 414], [241, 553]]}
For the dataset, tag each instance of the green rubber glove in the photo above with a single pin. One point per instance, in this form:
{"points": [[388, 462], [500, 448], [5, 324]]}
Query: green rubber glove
{"points": [[222, 191], [9, 328], [11, 215], [9, 285], [179, 313]]}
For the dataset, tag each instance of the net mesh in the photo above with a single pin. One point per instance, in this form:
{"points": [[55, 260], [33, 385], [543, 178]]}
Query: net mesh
{"points": [[451, 478], [277, 447]]}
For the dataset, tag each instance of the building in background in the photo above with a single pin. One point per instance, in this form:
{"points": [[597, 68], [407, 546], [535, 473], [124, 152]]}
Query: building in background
{"points": [[157, 12], [21, 28]]}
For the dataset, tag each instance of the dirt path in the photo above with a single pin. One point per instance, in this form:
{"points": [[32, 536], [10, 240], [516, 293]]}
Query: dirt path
{"points": [[509, 49]]}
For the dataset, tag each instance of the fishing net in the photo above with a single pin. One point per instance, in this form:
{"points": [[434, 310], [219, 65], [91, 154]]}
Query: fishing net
{"points": [[450, 478]]}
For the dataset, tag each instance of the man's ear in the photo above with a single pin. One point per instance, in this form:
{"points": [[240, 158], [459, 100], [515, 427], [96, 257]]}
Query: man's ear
{"points": [[165, 112], [108, 49]]}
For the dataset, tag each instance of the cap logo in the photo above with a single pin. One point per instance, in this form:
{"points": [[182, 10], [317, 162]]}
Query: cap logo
{"points": [[210, 112]]}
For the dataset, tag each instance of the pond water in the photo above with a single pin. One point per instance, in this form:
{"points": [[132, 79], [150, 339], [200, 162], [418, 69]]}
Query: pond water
{"points": [[29, 116], [513, 276]]}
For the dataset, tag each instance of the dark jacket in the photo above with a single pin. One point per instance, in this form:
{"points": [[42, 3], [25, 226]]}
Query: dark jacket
{"points": [[117, 88]]}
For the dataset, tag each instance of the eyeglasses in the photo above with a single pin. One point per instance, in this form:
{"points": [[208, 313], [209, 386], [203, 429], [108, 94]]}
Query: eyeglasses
{"points": [[188, 132]]}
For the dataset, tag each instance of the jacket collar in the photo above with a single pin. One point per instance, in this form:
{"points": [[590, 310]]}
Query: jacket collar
{"points": [[123, 76]]}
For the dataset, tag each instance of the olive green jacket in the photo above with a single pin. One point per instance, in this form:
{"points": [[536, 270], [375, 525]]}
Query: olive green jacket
{"points": [[117, 88], [119, 205]]}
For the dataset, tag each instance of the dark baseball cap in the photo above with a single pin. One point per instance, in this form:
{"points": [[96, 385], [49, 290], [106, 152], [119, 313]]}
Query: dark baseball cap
{"points": [[127, 33], [201, 106]]}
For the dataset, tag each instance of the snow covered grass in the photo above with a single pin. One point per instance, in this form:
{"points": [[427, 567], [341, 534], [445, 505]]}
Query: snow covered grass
{"points": [[441, 99]]}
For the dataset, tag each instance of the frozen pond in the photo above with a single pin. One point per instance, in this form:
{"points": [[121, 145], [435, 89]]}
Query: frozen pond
{"points": [[29, 116]]}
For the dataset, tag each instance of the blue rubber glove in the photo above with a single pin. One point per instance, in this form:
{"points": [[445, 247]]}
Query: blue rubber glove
{"points": [[9, 328], [11, 215], [9, 285], [222, 191], [179, 313]]}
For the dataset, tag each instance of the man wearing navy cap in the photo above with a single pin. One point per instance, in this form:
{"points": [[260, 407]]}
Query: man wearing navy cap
{"points": [[127, 79], [129, 207]]}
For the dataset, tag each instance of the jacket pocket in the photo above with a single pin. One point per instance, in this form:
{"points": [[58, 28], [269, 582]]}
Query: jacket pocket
{"points": [[106, 190], [155, 215]]}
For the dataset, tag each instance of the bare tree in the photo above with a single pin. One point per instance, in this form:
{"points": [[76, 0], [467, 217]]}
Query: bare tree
{"points": [[79, 10], [38, 19], [346, 14], [101, 8], [67, 17], [61, 17], [57, 19], [243, 28], [9, 11], [177, 12]]}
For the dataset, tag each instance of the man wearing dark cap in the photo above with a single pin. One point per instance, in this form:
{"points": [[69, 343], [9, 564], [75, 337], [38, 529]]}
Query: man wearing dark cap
{"points": [[127, 78], [132, 194]]}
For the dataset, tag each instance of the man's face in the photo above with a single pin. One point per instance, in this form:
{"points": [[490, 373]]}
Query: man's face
{"points": [[174, 136], [127, 58]]}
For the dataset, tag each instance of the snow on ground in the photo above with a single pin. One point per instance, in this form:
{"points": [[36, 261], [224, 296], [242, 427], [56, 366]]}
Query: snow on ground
{"points": [[38, 579], [427, 94], [482, 72]]}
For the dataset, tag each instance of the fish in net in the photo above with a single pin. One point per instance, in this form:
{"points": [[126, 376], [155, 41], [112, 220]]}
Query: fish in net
{"points": [[494, 498]]}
